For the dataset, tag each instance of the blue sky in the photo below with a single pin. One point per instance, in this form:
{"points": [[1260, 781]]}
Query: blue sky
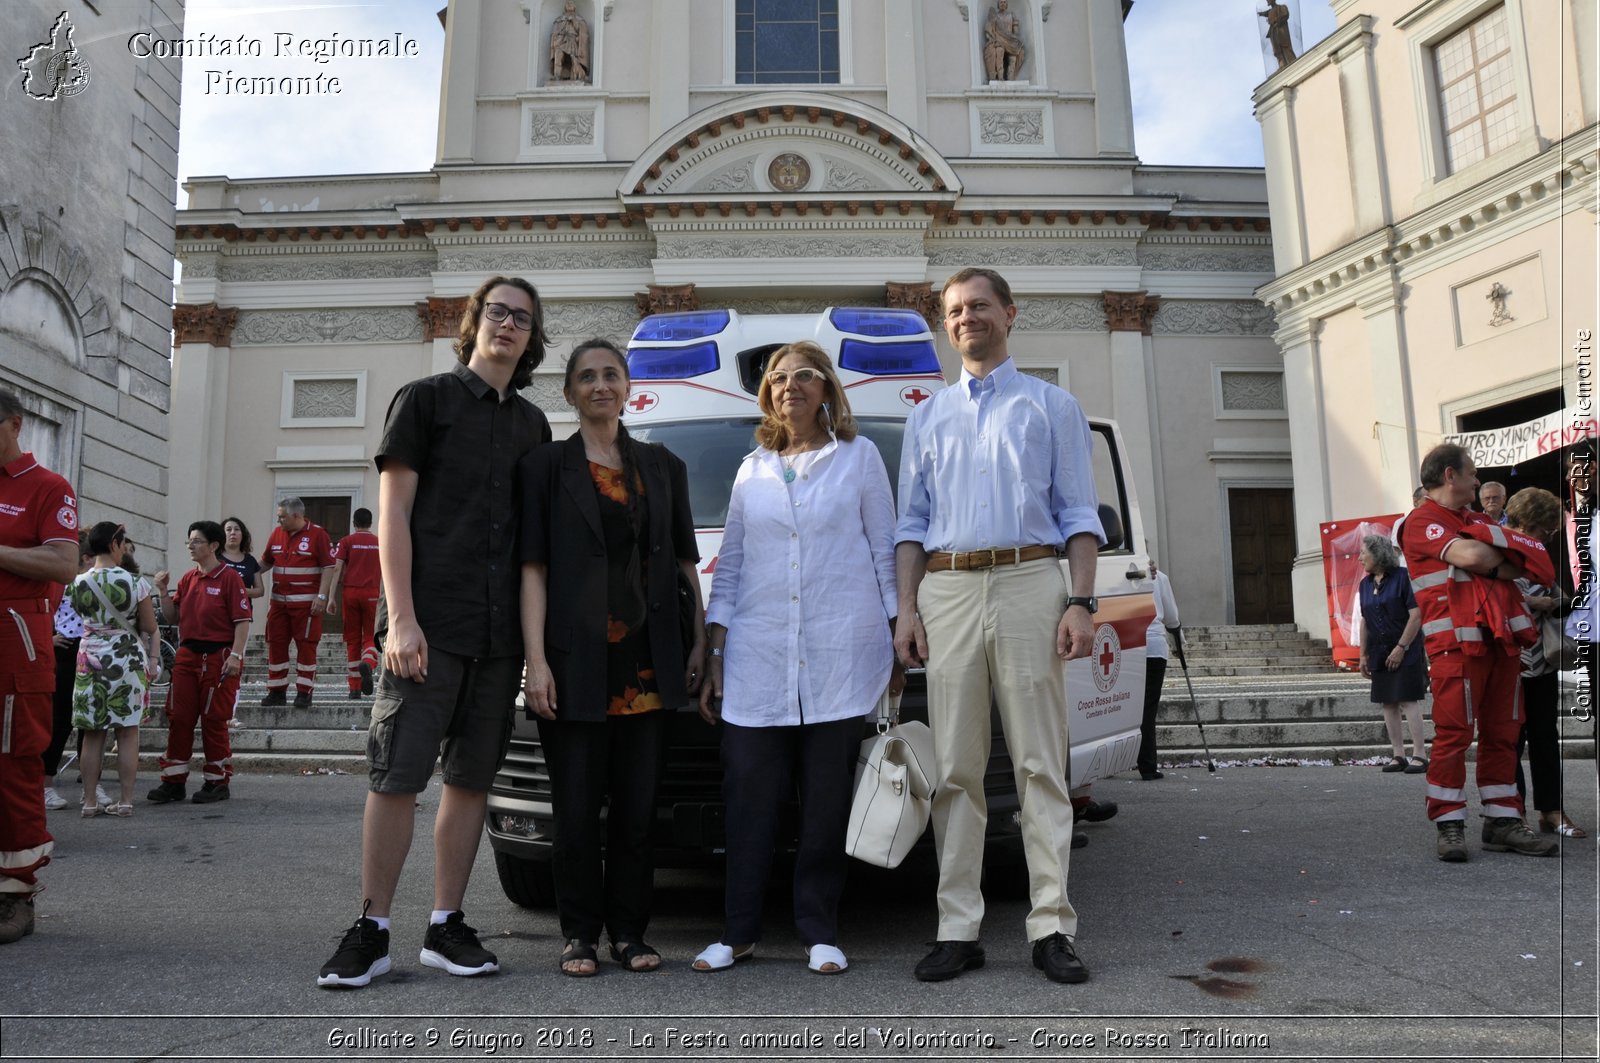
{"points": [[1192, 66]]}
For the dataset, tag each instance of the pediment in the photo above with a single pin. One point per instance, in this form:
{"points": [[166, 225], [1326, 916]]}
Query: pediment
{"points": [[793, 145]]}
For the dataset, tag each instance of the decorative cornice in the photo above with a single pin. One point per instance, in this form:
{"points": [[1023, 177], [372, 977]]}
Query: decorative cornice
{"points": [[441, 316], [1130, 311], [203, 323], [918, 297], [666, 298]]}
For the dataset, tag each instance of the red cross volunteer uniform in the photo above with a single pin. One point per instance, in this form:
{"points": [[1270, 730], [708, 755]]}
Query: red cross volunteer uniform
{"points": [[296, 561]]}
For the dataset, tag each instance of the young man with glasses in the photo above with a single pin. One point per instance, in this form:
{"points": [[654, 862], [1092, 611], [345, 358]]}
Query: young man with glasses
{"points": [[449, 622], [212, 611]]}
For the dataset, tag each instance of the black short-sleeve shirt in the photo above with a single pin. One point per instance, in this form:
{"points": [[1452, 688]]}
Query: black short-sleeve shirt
{"points": [[463, 442]]}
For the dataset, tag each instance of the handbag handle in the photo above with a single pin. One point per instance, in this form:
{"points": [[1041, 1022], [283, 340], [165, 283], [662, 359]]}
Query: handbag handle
{"points": [[887, 714]]}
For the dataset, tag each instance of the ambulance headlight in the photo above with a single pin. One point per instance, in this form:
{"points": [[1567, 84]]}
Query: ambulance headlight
{"points": [[673, 363], [693, 325], [872, 322], [888, 359]]}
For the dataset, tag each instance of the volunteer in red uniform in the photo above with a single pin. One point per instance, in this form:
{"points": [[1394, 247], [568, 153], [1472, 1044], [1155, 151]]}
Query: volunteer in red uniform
{"points": [[356, 582], [1469, 627], [212, 610], [38, 553], [300, 558]]}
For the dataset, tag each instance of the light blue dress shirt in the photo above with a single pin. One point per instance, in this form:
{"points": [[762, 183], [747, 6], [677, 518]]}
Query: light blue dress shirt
{"points": [[999, 462]]}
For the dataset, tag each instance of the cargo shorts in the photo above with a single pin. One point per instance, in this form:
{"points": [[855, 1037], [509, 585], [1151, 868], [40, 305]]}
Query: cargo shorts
{"points": [[459, 716]]}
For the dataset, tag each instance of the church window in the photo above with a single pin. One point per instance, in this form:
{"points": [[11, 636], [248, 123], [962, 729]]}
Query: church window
{"points": [[1476, 84], [789, 42]]}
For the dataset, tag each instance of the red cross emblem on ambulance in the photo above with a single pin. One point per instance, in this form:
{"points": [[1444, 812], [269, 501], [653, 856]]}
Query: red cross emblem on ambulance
{"points": [[914, 395], [642, 401], [1106, 660]]}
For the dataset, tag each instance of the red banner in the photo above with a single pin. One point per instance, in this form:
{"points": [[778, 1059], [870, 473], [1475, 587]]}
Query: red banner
{"points": [[1342, 574]]}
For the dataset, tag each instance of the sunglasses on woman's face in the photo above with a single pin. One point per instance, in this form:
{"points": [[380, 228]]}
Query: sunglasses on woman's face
{"points": [[779, 377]]}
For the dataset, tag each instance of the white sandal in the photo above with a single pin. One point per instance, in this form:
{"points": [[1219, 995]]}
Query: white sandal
{"points": [[819, 956], [719, 957]]}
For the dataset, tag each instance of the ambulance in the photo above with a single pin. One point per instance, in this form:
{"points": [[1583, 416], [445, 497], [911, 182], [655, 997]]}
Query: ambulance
{"points": [[695, 376]]}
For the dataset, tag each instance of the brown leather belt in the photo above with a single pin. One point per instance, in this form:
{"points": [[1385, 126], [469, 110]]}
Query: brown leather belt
{"points": [[975, 560]]}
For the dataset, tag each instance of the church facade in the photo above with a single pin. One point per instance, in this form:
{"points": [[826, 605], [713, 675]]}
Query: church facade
{"points": [[630, 157]]}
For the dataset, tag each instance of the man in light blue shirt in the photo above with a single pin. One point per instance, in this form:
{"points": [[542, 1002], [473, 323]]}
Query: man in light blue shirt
{"points": [[995, 478]]}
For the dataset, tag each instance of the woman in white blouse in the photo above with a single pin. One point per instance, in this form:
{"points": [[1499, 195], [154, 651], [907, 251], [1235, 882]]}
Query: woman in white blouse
{"points": [[799, 623]]}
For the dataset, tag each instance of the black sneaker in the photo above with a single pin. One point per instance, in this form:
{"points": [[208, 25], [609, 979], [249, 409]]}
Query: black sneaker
{"points": [[363, 954], [211, 791], [453, 946], [302, 700], [366, 679], [275, 697], [167, 791]]}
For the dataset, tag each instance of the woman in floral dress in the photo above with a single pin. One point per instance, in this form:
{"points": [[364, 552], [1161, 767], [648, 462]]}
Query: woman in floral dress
{"points": [[114, 671]]}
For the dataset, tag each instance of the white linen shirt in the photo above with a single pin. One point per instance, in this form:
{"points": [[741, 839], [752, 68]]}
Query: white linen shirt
{"points": [[999, 462], [1155, 637], [805, 586]]}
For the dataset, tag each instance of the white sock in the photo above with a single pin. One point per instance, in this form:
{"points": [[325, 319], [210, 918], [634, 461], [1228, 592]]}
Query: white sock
{"points": [[381, 920], [439, 917]]}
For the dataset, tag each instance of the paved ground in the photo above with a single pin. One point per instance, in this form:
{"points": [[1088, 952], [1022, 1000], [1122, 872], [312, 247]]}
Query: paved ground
{"points": [[1289, 913]]}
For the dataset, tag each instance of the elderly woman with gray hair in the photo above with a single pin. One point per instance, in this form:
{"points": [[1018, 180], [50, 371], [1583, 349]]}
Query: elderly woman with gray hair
{"points": [[1391, 650]]}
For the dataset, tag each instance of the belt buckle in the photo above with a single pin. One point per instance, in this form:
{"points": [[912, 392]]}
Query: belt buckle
{"points": [[994, 558]]}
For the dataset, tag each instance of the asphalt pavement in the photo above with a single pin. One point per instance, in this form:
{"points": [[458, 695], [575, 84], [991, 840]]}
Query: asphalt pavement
{"points": [[1255, 913]]}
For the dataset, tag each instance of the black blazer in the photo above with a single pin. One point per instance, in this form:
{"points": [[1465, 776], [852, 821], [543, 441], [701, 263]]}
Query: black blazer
{"points": [[561, 530]]}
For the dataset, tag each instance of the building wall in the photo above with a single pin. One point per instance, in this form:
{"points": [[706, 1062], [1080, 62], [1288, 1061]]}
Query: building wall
{"points": [[86, 234]]}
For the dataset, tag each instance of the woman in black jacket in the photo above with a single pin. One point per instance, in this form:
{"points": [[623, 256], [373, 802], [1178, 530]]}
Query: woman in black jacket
{"points": [[606, 528]]}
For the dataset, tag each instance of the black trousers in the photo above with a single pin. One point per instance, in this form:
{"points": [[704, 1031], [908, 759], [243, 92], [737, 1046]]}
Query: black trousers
{"points": [[605, 876], [1155, 673], [761, 769], [1541, 735], [61, 708]]}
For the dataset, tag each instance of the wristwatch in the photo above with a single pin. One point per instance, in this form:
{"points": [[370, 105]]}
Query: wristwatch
{"points": [[1091, 604]]}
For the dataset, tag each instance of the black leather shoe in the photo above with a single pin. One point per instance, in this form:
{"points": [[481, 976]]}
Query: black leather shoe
{"points": [[1096, 811], [1151, 776], [949, 959], [1080, 840], [1055, 956]]}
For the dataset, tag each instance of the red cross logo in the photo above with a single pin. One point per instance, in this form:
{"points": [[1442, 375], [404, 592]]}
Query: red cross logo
{"points": [[642, 401], [914, 395], [1107, 658]]}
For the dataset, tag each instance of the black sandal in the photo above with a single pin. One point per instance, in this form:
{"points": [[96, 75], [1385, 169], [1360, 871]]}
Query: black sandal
{"points": [[628, 951], [577, 951]]}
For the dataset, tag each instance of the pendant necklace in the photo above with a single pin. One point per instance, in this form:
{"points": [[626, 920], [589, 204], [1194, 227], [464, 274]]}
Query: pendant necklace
{"points": [[788, 468]]}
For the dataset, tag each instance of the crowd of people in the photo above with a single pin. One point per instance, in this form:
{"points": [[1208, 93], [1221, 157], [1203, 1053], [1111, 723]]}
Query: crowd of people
{"points": [[569, 570]]}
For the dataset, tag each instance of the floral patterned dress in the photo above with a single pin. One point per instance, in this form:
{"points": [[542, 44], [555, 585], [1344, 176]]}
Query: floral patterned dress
{"points": [[631, 686], [112, 687]]}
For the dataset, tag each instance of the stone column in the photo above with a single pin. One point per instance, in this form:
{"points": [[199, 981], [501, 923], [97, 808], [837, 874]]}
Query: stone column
{"points": [[669, 63], [1129, 316], [441, 326], [1276, 115], [666, 299], [1108, 62], [458, 103], [202, 348], [918, 297], [1369, 190], [1388, 362], [1308, 448], [902, 62]]}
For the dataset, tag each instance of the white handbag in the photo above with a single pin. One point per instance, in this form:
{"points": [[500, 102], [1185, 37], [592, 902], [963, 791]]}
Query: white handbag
{"points": [[895, 778]]}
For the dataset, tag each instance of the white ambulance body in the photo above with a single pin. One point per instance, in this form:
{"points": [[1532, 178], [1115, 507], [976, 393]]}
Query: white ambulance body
{"points": [[695, 378]]}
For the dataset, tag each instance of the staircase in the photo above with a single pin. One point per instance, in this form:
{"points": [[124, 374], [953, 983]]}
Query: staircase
{"points": [[1263, 692]]}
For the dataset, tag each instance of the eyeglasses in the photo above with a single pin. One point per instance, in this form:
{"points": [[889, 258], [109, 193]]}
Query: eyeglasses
{"points": [[199, 542], [779, 377], [498, 312]]}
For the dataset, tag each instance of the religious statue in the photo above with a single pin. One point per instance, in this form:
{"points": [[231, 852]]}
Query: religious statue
{"points": [[1497, 305], [1003, 52], [569, 46], [1277, 16]]}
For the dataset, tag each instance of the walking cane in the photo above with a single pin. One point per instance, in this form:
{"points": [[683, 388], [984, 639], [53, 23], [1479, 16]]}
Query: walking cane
{"points": [[1177, 648]]}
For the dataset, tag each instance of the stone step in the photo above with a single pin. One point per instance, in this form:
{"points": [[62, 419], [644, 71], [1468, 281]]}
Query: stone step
{"points": [[1233, 648], [1219, 668], [1193, 758]]}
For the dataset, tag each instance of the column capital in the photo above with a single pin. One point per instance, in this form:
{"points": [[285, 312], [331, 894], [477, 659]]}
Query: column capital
{"points": [[441, 316], [1130, 311], [203, 323], [666, 298], [919, 297]]}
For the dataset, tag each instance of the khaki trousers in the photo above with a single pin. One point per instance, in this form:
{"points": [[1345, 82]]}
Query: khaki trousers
{"points": [[995, 630]]}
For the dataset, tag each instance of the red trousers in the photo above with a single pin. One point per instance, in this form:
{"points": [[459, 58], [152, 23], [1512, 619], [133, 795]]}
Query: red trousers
{"points": [[27, 679], [1485, 691], [360, 613], [199, 692], [292, 622]]}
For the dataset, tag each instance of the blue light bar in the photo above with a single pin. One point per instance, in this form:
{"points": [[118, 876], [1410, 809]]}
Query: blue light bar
{"points": [[673, 363], [874, 322], [889, 359], [694, 325]]}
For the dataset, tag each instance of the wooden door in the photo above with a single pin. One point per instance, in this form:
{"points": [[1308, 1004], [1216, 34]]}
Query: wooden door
{"points": [[1261, 529], [332, 514]]}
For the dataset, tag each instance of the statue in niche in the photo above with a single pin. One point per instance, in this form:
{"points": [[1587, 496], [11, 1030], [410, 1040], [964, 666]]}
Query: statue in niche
{"points": [[569, 46], [1277, 16], [1003, 51], [1497, 305]]}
